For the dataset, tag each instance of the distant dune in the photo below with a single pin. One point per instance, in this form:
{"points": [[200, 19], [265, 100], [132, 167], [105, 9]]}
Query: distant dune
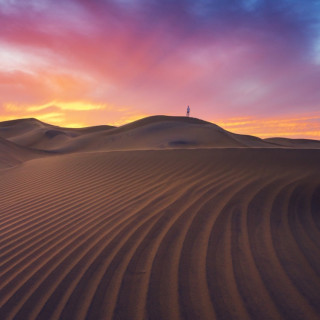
{"points": [[157, 132], [39, 135], [295, 143], [162, 218]]}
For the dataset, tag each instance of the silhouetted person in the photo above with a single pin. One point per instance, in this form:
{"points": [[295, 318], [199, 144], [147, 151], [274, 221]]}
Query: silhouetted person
{"points": [[188, 111]]}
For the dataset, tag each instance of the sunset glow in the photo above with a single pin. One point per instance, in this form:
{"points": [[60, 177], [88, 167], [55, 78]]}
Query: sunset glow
{"points": [[250, 66], [271, 127]]}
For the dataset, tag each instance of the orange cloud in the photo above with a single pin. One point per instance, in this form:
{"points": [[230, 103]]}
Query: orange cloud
{"points": [[74, 105], [73, 113], [303, 126]]}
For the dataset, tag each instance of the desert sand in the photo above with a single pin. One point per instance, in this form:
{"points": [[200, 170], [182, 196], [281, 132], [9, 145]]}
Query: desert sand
{"points": [[164, 218]]}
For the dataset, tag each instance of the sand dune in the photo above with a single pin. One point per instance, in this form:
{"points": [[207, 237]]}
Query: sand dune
{"points": [[157, 132], [39, 135], [214, 233]]}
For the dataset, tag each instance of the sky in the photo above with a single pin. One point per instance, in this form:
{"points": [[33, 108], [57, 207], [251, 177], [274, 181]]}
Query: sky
{"points": [[251, 66]]}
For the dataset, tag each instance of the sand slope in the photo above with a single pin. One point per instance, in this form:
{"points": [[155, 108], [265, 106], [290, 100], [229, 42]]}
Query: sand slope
{"points": [[172, 234], [12, 154]]}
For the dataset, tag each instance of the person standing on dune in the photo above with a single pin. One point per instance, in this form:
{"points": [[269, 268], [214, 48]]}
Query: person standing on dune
{"points": [[188, 111]]}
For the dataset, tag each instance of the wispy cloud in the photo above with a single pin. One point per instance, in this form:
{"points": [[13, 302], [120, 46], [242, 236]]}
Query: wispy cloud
{"points": [[302, 125], [73, 114], [74, 105]]}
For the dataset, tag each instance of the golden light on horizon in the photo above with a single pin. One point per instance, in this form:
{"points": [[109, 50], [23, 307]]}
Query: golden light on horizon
{"points": [[291, 127]]}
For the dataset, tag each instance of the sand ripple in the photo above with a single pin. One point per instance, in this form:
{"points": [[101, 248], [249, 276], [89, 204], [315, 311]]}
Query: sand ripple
{"points": [[172, 234]]}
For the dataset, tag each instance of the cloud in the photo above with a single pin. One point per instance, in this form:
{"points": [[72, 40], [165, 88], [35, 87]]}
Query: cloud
{"points": [[74, 106], [72, 114], [302, 125]]}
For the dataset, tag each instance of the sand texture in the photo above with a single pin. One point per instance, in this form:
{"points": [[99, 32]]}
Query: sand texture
{"points": [[183, 221]]}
